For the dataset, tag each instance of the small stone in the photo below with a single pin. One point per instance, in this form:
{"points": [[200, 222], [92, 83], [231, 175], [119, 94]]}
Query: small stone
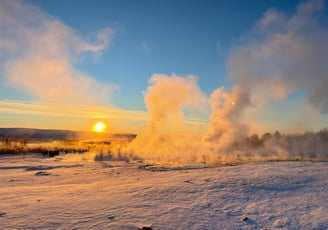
{"points": [[40, 173], [2, 214], [111, 217], [245, 218], [147, 227]]}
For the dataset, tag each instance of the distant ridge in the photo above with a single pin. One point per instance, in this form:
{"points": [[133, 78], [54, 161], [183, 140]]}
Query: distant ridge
{"points": [[57, 134]]}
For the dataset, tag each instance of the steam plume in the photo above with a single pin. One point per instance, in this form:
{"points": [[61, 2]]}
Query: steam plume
{"points": [[225, 126], [284, 55], [164, 137]]}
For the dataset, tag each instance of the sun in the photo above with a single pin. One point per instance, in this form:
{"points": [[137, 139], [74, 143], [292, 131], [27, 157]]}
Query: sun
{"points": [[99, 127]]}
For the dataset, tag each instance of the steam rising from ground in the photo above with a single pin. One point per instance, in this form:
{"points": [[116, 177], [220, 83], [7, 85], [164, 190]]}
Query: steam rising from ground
{"points": [[225, 140], [39, 53], [282, 55], [225, 126], [164, 138]]}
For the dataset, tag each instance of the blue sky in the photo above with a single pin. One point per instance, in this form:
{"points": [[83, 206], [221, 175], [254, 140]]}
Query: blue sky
{"points": [[117, 46], [182, 37]]}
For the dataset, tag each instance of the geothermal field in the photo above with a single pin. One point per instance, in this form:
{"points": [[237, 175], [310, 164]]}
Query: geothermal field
{"points": [[276, 181]]}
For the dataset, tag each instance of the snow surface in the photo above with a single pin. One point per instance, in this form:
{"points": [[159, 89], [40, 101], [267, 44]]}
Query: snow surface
{"points": [[56, 193]]}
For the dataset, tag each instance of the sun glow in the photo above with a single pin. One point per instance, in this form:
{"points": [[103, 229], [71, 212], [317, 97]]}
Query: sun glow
{"points": [[99, 127]]}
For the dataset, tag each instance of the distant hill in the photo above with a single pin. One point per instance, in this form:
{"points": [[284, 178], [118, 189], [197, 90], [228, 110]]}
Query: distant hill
{"points": [[53, 134]]}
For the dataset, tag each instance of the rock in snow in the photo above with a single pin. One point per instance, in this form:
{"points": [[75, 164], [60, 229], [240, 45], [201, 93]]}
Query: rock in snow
{"points": [[41, 173]]}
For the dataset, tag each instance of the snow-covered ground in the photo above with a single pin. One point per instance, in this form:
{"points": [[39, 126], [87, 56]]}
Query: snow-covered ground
{"points": [[56, 193]]}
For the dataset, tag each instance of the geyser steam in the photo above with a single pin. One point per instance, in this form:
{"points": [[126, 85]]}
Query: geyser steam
{"points": [[164, 138], [225, 127], [282, 55]]}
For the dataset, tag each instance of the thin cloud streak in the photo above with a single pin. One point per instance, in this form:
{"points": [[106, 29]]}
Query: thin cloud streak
{"points": [[85, 111], [38, 108]]}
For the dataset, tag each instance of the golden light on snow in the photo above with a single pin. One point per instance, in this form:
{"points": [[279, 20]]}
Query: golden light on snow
{"points": [[99, 127]]}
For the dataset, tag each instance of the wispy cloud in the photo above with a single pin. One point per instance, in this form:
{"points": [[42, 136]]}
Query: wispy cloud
{"points": [[38, 53], [146, 47]]}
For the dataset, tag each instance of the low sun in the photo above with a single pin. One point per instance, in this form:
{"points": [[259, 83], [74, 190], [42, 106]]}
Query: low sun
{"points": [[99, 127]]}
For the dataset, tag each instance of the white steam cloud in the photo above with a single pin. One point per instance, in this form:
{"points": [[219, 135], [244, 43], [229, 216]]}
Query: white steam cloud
{"points": [[284, 54], [38, 52], [164, 138], [225, 126]]}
